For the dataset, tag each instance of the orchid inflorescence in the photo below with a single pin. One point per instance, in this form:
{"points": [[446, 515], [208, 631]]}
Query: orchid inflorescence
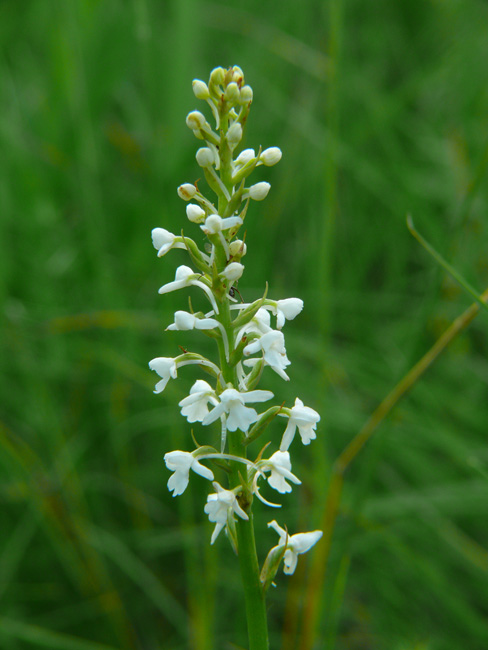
{"points": [[248, 335]]}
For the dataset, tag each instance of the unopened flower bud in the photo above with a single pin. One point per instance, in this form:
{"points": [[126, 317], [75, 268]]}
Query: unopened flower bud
{"points": [[233, 271], [246, 94], [217, 76], [271, 156], [237, 75], [195, 120], [205, 157], [237, 249], [232, 94], [187, 191], [200, 89], [259, 191], [245, 156], [234, 135], [195, 213]]}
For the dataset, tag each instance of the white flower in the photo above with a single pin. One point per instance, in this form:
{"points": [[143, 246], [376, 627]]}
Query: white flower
{"points": [[260, 322], [186, 191], [233, 271], [303, 417], [166, 368], [232, 404], [181, 462], [195, 213], [185, 321], [258, 191], [280, 466], [295, 545], [273, 346], [183, 277], [215, 224], [270, 156], [163, 241], [287, 309], [194, 407], [220, 507]]}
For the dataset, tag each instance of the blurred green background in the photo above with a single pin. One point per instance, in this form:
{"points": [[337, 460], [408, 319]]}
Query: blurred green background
{"points": [[380, 108]]}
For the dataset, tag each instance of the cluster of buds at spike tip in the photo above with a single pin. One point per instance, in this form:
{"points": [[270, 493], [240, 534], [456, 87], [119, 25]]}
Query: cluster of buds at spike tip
{"points": [[249, 335]]}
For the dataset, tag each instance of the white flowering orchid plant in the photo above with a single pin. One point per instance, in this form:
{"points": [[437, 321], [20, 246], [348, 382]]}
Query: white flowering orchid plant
{"points": [[248, 337]]}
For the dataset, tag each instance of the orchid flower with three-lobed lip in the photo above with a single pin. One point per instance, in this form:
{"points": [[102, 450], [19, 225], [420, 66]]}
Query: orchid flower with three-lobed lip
{"points": [[180, 463], [221, 507]]}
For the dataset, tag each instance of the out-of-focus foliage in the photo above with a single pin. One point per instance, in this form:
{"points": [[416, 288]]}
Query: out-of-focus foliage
{"points": [[380, 109]]}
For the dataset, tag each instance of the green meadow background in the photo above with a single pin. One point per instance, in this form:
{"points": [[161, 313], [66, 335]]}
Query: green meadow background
{"points": [[380, 109]]}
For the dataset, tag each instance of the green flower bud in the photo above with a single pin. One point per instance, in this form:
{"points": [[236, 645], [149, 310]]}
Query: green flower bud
{"points": [[195, 213], [200, 89], [259, 191], [237, 249], [237, 75], [246, 95], [195, 120], [245, 156], [217, 77], [270, 156], [232, 94], [234, 135], [205, 157], [187, 191]]}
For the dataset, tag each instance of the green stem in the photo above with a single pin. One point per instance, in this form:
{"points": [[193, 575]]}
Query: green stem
{"points": [[257, 623], [254, 597]]}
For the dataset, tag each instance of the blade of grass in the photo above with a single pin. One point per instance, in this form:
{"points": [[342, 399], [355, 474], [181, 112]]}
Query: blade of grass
{"points": [[320, 558], [40, 637], [133, 567], [445, 264]]}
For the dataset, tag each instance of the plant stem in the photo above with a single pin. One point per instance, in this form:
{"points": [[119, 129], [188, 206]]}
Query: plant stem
{"points": [[257, 623], [254, 597]]}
